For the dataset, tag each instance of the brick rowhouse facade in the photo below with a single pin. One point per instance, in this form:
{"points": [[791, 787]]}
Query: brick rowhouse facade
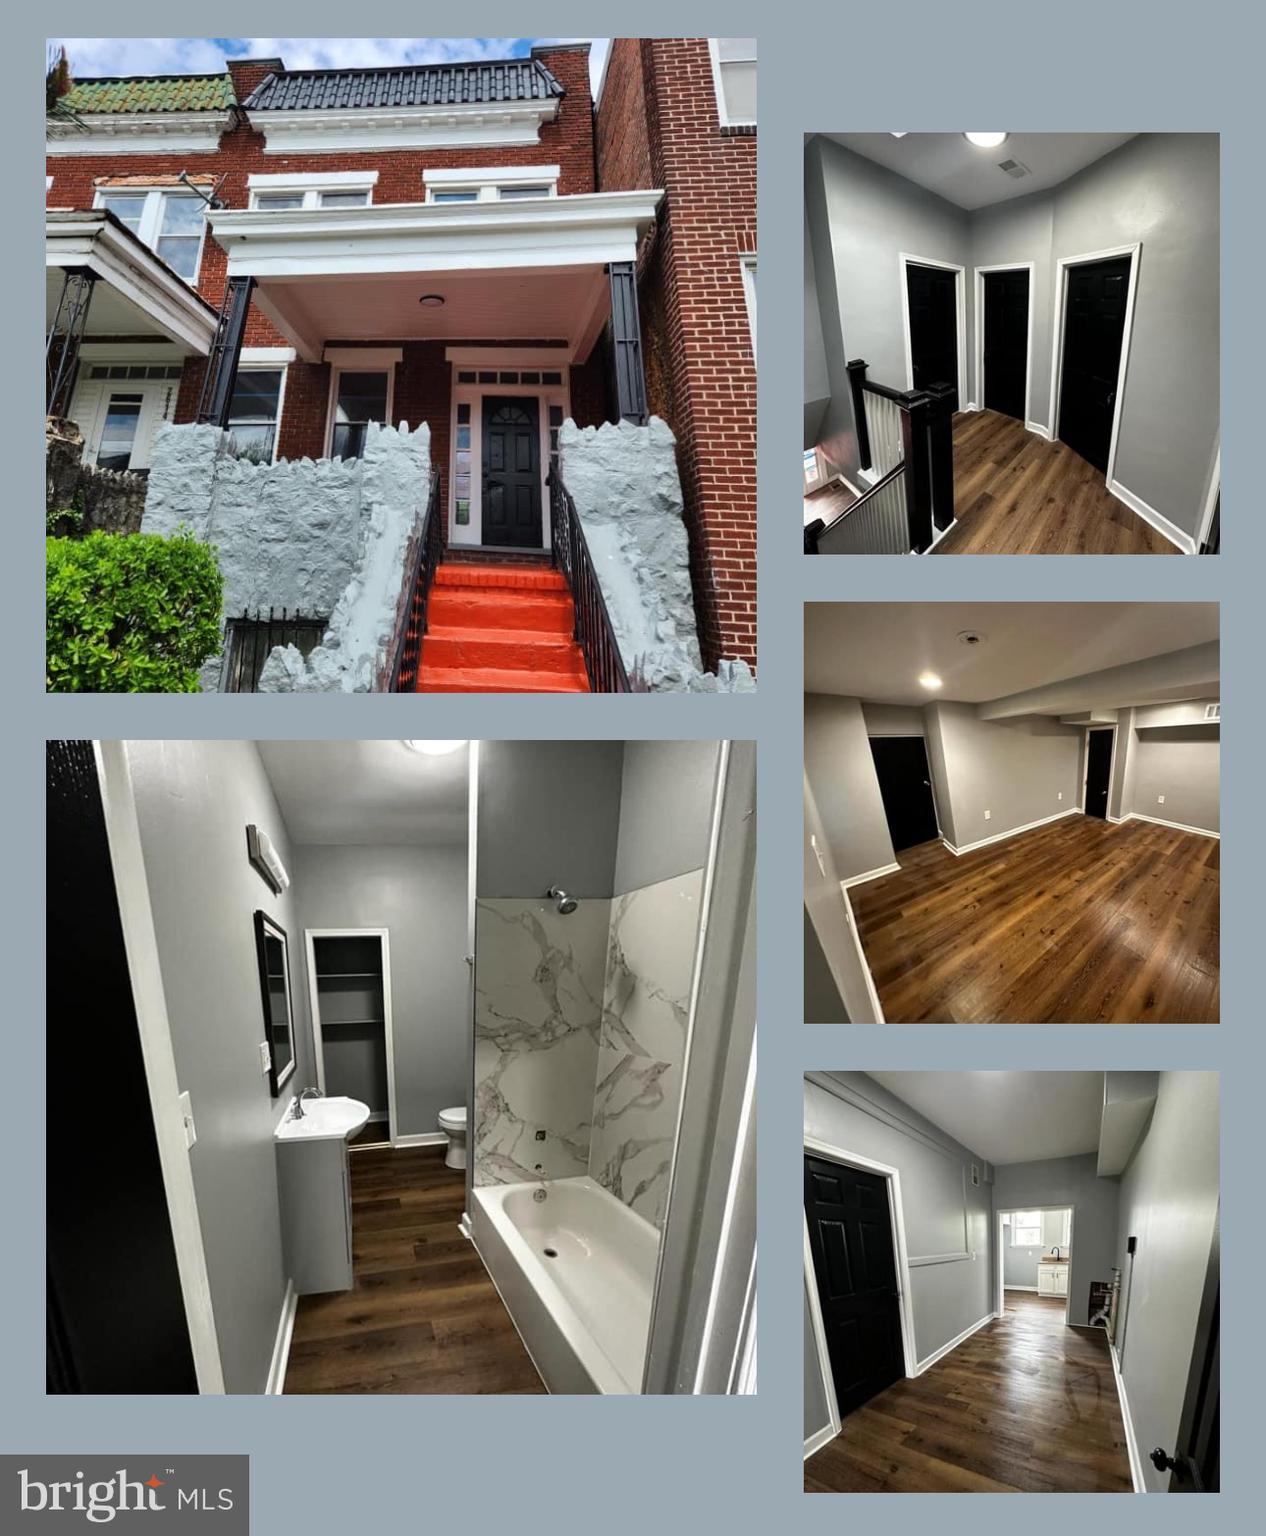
{"points": [[658, 125], [655, 127]]}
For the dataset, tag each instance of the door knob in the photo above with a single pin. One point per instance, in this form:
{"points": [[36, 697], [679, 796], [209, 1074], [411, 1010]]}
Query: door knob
{"points": [[1163, 1462]]}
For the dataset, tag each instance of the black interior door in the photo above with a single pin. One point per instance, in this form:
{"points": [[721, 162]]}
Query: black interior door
{"points": [[512, 472], [905, 785], [933, 297], [850, 1238], [1098, 773], [116, 1314], [1094, 328], [1006, 341]]}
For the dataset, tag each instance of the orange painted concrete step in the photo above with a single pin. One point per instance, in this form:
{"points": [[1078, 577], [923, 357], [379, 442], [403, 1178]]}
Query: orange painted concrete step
{"points": [[517, 578], [490, 608], [525, 650], [491, 680]]}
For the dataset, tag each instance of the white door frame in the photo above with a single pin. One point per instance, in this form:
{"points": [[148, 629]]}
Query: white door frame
{"points": [[979, 299], [314, 1003], [1057, 338], [904, 260], [1085, 780], [1010, 1210], [834, 1154], [1210, 500]]}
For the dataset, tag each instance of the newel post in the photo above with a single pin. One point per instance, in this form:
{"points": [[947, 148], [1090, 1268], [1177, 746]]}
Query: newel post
{"points": [[856, 377], [915, 412], [941, 447]]}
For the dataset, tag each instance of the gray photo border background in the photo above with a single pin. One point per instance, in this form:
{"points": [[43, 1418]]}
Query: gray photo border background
{"points": [[327, 1465]]}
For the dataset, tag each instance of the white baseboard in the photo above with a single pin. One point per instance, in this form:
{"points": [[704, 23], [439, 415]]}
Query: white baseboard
{"points": [[1162, 524], [871, 874], [1131, 1439], [1175, 826], [425, 1139], [998, 837], [281, 1345], [818, 1439], [939, 1354], [970, 406], [1038, 429], [876, 1006], [940, 534], [1032, 1288], [465, 1228]]}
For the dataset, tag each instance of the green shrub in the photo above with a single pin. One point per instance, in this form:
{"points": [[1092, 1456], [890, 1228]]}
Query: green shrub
{"points": [[130, 613]]}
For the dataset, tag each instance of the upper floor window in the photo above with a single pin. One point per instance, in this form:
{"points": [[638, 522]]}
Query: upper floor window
{"points": [[170, 223], [323, 189], [511, 183], [734, 74]]}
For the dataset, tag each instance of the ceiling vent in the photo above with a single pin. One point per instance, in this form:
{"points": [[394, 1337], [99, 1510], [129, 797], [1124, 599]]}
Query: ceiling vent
{"points": [[1014, 168], [1213, 711]]}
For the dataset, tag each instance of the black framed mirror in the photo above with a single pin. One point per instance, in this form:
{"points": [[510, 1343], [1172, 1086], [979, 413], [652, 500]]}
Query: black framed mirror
{"points": [[273, 951]]}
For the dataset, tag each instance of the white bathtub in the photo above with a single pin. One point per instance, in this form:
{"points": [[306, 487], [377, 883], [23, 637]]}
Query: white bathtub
{"points": [[576, 1272]]}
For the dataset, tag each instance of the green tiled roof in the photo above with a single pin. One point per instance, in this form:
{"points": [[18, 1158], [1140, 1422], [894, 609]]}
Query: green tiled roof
{"points": [[153, 93]]}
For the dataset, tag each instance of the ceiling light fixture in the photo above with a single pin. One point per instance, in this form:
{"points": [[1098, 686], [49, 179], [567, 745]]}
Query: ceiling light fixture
{"points": [[929, 680], [896, 135], [434, 748], [986, 140], [432, 300]]}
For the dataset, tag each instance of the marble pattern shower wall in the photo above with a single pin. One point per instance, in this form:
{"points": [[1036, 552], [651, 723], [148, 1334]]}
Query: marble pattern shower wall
{"points": [[538, 1012], [646, 997]]}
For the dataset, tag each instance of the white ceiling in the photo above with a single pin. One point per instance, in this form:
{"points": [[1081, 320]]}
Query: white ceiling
{"points": [[945, 163], [1007, 1117], [367, 791], [876, 651]]}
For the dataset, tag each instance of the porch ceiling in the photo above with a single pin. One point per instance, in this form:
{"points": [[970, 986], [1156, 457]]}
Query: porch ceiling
{"points": [[515, 305]]}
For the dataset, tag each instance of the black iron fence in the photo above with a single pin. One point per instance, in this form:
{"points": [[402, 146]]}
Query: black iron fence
{"points": [[418, 577], [593, 632], [249, 640]]}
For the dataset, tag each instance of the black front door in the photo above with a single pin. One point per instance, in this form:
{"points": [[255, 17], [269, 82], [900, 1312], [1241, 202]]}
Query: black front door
{"points": [[1098, 773], [1006, 341], [1094, 327], [933, 297], [850, 1238], [905, 785], [512, 472]]}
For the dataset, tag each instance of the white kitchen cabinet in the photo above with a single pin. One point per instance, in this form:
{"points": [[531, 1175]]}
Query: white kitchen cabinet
{"points": [[1052, 1279]]}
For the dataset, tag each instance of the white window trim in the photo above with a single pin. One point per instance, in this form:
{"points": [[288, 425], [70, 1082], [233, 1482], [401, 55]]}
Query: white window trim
{"points": [[473, 395], [486, 181], [723, 117], [748, 265], [269, 360], [310, 183], [346, 360], [152, 220]]}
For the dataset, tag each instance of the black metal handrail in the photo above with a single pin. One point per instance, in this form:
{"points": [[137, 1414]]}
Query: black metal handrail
{"points": [[593, 632], [417, 587], [817, 530]]}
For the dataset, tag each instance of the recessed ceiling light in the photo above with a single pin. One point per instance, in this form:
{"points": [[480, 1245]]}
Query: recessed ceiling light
{"points": [[986, 140], [434, 748], [432, 300], [897, 135], [929, 680]]}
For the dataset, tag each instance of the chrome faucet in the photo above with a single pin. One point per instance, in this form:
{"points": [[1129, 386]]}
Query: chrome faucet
{"points": [[298, 1109]]}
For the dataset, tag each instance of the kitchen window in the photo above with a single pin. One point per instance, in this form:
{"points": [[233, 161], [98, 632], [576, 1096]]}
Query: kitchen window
{"points": [[170, 223], [1026, 1229]]}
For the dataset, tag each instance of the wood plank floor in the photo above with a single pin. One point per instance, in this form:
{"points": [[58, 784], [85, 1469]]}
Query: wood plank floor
{"points": [[1017, 494], [1025, 1405], [827, 502], [1077, 922], [423, 1315]]}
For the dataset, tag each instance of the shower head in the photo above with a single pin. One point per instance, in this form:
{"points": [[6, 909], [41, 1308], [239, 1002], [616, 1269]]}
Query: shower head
{"points": [[561, 899]]}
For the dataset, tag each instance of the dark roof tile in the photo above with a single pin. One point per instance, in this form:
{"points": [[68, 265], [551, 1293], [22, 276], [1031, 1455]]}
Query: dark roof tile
{"points": [[412, 85]]}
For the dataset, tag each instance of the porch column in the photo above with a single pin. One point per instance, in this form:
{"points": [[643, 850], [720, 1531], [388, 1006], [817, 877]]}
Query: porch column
{"points": [[626, 337], [61, 350], [220, 379]]}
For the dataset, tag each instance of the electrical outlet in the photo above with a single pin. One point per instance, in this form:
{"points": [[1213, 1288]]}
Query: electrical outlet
{"points": [[988, 814], [1160, 799], [1060, 796], [186, 1115], [265, 1058]]}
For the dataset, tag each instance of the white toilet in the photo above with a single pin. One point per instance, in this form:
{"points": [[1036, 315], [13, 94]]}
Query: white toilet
{"points": [[453, 1124]]}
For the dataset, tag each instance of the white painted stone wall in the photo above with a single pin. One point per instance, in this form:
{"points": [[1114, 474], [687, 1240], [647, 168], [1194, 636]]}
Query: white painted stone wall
{"points": [[624, 482], [327, 536]]}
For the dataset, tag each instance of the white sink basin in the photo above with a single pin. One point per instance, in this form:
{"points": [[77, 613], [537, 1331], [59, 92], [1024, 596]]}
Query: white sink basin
{"points": [[332, 1119]]}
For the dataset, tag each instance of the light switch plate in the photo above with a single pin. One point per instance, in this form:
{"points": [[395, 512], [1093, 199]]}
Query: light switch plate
{"points": [[186, 1115], [265, 1058], [1160, 799], [988, 815]]}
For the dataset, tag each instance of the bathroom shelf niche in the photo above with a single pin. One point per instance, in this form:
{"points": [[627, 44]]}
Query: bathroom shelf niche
{"points": [[349, 991]]}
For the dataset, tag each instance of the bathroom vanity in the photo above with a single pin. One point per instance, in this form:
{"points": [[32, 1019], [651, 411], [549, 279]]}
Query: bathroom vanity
{"points": [[315, 1192], [1052, 1277]]}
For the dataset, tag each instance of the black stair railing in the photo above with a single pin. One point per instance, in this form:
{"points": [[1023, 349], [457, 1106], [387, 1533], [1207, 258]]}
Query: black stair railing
{"points": [[593, 632], [419, 574], [877, 523]]}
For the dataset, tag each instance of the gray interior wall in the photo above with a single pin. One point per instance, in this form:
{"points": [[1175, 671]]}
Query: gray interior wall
{"points": [[892, 720], [836, 430], [1020, 230], [1121, 786], [1015, 769], [1181, 763], [1169, 1202], [1069, 1181], [934, 741], [666, 793], [944, 1212], [1162, 189], [842, 995], [817, 1415], [419, 895], [549, 813], [193, 802], [841, 774], [817, 387]]}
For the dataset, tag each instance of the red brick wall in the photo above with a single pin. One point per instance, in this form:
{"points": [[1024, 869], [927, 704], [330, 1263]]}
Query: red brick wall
{"points": [[701, 373]]}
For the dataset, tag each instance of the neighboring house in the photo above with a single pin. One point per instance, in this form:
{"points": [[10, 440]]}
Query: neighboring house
{"points": [[296, 255]]}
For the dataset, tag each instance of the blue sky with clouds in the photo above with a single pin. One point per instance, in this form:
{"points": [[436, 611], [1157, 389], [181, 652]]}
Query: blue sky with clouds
{"points": [[191, 55]]}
